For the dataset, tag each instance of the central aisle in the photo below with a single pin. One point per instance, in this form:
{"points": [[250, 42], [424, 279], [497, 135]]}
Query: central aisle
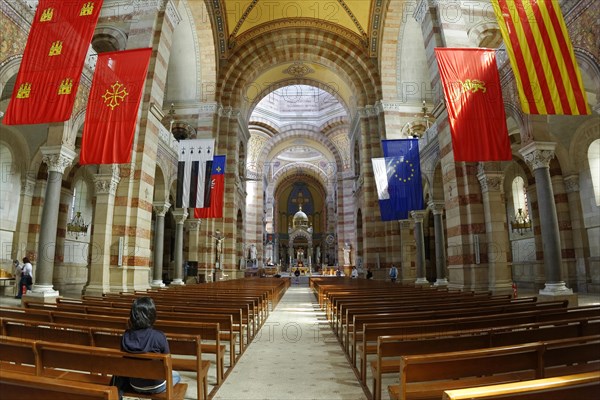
{"points": [[294, 356]]}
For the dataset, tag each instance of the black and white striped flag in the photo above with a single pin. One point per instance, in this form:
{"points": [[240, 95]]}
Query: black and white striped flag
{"points": [[193, 173]]}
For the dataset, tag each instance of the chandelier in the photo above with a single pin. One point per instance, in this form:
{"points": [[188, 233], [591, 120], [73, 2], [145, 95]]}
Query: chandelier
{"points": [[521, 223], [417, 127], [77, 225]]}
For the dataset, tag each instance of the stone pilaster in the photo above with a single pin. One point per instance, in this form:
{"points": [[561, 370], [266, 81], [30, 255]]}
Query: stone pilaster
{"points": [[418, 216], [180, 217], [160, 210], [580, 239], [105, 184], [437, 208], [491, 179], [58, 158], [538, 156], [406, 270], [20, 243]]}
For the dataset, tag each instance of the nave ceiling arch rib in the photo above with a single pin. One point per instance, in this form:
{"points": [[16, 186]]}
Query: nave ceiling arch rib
{"points": [[337, 57], [238, 22]]}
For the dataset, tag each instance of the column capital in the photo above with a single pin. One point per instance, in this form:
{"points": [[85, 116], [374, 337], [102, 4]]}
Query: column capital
{"points": [[180, 215], [418, 215], [27, 186], [572, 183], [538, 154], [404, 223], [58, 158], [436, 206], [490, 181], [161, 208], [107, 183], [193, 224]]}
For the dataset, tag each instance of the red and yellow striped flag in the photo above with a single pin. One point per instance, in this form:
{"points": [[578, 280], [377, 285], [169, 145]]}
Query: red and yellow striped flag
{"points": [[542, 57]]}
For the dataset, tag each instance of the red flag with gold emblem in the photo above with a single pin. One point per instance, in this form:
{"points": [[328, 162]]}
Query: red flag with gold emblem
{"points": [[113, 106], [474, 103], [53, 59]]}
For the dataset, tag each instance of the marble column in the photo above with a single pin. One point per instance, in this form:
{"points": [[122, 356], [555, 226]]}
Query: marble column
{"points": [[180, 217], [105, 185], [160, 209], [491, 179], [420, 245], [58, 158], [437, 208], [580, 240], [538, 156]]}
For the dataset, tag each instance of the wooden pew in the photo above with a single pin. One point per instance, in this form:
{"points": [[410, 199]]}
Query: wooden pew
{"points": [[231, 330], [399, 331], [428, 376], [209, 332], [14, 385], [359, 320], [567, 387], [188, 346], [390, 348], [75, 363]]}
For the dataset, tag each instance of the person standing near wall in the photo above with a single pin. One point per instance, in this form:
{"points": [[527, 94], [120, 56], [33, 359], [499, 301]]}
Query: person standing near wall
{"points": [[26, 277]]}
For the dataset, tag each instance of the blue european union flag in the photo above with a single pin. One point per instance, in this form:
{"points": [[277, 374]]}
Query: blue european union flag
{"points": [[404, 186]]}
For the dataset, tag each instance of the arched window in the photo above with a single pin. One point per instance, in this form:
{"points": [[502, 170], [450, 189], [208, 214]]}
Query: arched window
{"points": [[594, 161], [519, 196]]}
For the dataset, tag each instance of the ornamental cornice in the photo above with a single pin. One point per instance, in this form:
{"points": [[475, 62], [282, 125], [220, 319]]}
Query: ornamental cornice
{"points": [[161, 209], [180, 215], [172, 13], [404, 223], [58, 158], [436, 206], [490, 182], [417, 216], [572, 183], [538, 154], [193, 225], [107, 183], [421, 11]]}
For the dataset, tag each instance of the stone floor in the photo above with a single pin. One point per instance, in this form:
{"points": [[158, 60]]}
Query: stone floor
{"points": [[294, 356]]}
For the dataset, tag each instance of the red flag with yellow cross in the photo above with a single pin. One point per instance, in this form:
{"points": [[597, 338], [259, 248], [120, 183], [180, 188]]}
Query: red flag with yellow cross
{"points": [[113, 106]]}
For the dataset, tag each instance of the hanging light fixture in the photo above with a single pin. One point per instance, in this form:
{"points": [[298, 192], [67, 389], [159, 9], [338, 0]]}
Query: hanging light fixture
{"points": [[521, 223], [77, 225]]}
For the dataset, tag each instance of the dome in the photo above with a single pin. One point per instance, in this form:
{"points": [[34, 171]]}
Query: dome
{"points": [[300, 219]]}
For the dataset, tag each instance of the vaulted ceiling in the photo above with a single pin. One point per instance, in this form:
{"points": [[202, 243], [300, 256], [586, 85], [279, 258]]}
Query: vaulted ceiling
{"points": [[239, 21]]}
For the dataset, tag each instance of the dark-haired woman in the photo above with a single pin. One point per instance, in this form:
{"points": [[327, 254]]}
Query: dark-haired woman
{"points": [[141, 337]]}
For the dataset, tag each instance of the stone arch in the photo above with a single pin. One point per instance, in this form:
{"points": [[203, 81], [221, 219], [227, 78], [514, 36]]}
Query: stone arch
{"points": [[296, 81], [583, 138], [590, 68], [309, 133], [333, 51], [206, 54]]}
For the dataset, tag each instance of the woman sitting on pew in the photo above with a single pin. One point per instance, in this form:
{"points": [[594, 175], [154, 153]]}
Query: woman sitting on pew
{"points": [[141, 337]]}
